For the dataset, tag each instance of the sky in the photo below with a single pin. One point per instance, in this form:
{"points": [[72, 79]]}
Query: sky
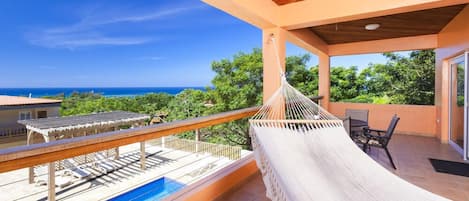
{"points": [[93, 43]]}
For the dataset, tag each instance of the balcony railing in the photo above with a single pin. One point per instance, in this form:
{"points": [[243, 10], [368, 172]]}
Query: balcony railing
{"points": [[52, 152], [12, 132], [36, 154]]}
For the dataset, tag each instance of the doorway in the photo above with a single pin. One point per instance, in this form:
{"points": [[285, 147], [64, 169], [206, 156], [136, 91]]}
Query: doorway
{"points": [[458, 131]]}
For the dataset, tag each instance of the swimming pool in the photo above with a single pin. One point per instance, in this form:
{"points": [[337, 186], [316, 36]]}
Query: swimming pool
{"points": [[155, 190]]}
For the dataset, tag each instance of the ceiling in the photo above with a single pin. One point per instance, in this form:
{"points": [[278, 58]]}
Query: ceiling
{"points": [[283, 2], [391, 26]]}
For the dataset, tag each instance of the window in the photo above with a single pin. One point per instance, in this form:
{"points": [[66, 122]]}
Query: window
{"points": [[41, 114], [25, 115]]}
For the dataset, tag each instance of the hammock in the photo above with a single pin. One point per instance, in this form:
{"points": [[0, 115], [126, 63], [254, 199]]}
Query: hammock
{"points": [[304, 153]]}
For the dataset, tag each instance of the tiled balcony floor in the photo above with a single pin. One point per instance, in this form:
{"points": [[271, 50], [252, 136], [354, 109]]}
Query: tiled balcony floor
{"points": [[410, 154]]}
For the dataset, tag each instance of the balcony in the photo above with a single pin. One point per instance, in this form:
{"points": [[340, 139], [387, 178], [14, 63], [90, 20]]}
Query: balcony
{"points": [[410, 153], [185, 161], [419, 140], [239, 180]]}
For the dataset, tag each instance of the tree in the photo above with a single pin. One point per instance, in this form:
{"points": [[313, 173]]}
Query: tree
{"points": [[344, 83], [238, 84], [405, 80]]}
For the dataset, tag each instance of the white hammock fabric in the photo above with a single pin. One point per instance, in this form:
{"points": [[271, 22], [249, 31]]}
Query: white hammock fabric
{"points": [[304, 153]]}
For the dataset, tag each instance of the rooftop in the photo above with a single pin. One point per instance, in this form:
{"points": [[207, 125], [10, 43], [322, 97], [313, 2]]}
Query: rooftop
{"points": [[18, 100], [84, 120]]}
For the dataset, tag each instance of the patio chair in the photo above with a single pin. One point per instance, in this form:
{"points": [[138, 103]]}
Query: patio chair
{"points": [[75, 169], [356, 114], [103, 163], [381, 138]]}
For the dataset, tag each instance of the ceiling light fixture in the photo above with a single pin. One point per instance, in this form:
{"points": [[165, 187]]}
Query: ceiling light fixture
{"points": [[371, 27]]}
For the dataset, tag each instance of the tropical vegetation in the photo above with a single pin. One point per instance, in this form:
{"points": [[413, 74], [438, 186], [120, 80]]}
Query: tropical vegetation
{"points": [[238, 84]]}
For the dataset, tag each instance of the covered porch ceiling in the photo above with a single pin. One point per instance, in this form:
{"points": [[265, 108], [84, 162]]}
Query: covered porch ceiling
{"points": [[324, 27], [415, 23]]}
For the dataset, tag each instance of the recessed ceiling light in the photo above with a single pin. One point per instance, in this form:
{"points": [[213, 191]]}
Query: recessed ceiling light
{"points": [[371, 27]]}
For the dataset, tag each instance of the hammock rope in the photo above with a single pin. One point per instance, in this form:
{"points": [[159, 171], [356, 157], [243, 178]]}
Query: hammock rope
{"points": [[304, 153]]}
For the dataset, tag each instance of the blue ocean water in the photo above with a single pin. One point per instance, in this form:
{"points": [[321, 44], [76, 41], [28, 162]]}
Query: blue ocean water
{"points": [[106, 91]]}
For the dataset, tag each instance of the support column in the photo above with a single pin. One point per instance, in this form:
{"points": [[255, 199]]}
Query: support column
{"points": [[324, 80], [30, 141], [142, 155], [270, 61]]}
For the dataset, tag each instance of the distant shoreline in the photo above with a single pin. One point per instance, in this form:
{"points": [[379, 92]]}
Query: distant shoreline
{"points": [[105, 91]]}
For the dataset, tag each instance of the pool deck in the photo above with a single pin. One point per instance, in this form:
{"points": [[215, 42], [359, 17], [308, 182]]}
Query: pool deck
{"points": [[184, 167]]}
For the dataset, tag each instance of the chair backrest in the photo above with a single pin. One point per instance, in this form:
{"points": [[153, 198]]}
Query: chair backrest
{"points": [[347, 125], [391, 128], [357, 114]]}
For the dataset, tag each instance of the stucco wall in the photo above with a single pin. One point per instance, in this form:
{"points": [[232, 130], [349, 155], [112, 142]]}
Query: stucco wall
{"points": [[453, 40], [415, 119], [9, 118]]}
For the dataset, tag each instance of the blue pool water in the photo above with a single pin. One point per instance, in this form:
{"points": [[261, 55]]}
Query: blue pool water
{"points": [[153, 191]]}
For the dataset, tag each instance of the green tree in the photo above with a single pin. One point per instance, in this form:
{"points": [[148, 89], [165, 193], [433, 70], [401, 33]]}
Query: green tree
{"points": [[405, 80], [238, 84], [344, 83]]}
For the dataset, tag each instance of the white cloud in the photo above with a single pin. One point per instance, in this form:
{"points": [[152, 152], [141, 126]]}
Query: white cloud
{"points": [[154, 15], [72, 40], [91, 29]]}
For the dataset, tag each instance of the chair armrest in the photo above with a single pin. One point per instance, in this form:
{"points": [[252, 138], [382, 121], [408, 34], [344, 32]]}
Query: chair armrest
{"points": [[369, 131]]}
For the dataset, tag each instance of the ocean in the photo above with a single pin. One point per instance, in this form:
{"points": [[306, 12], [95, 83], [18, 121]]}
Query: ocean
{"points": [[105, 91]]}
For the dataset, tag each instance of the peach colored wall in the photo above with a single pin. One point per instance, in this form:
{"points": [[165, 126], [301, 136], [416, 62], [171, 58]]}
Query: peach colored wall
{"points": [[415, 119], [273, 52], [453, 40], [225, 184], [324, 79]]}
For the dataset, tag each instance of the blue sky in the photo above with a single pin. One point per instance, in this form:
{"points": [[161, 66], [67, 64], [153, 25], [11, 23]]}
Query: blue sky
{"points": [[123, 43]]}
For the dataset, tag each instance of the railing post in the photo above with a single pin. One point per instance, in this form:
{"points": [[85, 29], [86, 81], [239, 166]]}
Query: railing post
{"points": [[31, 175], [142, 155], [117, 148], [51, 182], [197, 139]]}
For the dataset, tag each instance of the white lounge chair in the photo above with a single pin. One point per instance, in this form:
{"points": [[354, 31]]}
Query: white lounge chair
{"points": [[75, 169], [42, 177], [63, 181], [103, 163]]}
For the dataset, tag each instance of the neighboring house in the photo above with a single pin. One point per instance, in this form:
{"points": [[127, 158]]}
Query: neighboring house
{"points": [[14, 108]]}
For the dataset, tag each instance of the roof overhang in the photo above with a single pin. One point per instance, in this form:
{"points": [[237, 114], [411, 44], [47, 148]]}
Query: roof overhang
{"points": [[299, 18]]}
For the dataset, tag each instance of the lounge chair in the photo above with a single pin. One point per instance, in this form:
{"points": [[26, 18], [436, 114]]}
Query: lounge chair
{"points": [[63, 181], [103, 163], [75, 169]]}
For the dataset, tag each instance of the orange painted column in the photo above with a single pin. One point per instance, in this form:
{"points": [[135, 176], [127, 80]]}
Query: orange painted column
{"points": [[324, 79], [271, 56]]}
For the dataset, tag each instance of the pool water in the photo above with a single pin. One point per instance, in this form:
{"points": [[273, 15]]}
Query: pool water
{"points": [[155, 190]]}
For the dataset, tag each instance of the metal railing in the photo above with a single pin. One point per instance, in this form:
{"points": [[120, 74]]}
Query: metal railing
{"points": [[219, 150], [12, 132]]}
